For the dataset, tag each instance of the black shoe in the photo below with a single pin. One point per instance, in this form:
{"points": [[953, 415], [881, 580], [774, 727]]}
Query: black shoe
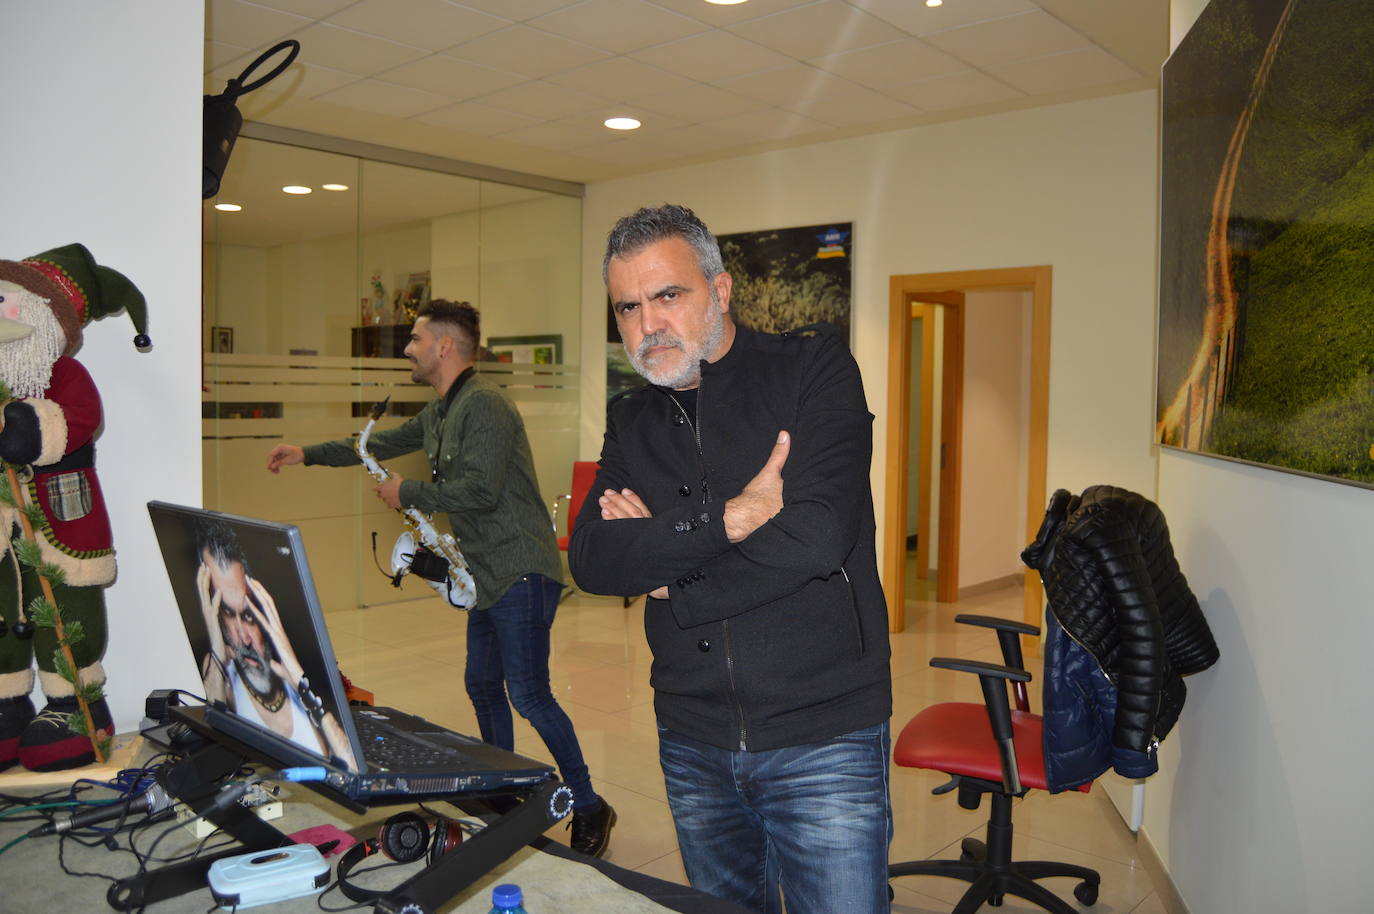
{"points": [[591, 831]]}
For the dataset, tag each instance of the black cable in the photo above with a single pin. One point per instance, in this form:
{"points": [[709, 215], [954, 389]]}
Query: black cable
{"points": [[319, 899]]}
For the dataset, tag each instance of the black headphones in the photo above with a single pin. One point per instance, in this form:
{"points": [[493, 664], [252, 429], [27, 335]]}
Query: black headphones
{"points": [[404, 838]]}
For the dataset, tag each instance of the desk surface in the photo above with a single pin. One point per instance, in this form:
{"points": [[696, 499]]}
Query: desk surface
{"points": [[553, 877]]}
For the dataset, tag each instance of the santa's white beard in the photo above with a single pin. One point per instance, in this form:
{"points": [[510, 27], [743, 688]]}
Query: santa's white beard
{"points": [[26, 365]]}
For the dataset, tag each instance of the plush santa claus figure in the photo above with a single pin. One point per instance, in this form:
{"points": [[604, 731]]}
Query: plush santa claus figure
{"points": [[49, 437]]}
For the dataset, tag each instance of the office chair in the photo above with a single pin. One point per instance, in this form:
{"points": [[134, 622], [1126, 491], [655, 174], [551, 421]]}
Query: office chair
{"points": [[583, 475], [989, 749]]}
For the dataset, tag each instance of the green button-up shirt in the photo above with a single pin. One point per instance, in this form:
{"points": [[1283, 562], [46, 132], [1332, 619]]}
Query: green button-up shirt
{"points": [[476, 444]]}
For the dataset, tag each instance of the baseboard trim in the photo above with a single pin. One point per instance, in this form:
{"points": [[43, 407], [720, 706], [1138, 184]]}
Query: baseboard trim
{"points": [[975, 590], [1169, 896]]}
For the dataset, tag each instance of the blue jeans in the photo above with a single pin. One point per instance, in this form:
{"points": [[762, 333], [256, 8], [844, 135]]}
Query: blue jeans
{"points": [[813, 820], [508, 649]]}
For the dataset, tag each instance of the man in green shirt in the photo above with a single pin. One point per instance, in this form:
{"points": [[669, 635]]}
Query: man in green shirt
{"points": [[483, 478]]}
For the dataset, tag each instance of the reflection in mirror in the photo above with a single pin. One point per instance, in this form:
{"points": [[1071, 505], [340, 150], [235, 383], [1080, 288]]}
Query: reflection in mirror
{"points": [[308, 301]]}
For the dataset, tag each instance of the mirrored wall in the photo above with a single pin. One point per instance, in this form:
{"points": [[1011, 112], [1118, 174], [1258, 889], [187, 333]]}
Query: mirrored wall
{"points": [[308, 300]]}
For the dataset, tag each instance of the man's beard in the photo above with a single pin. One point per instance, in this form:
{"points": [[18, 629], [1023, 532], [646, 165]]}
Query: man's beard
{"points": [[26, 364], [262, 681], [688, 374]]}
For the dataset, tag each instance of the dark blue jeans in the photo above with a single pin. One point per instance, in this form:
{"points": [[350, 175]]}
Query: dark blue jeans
{"points": [[814, 820], [508, 650]]}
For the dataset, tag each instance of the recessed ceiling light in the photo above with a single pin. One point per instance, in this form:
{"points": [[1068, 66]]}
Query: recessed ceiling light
{"points": [[228, 207], [934, 3], [334, 186], [296, 189], [726, 2], [621, 123]]}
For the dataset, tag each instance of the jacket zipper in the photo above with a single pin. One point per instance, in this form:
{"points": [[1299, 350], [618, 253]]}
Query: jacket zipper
{"points": [[696, 437], [705, 500], [1154, 739], [854, 609]]}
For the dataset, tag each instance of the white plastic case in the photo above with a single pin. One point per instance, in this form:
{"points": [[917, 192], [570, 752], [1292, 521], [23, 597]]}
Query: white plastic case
{"points": [[266, 876]]}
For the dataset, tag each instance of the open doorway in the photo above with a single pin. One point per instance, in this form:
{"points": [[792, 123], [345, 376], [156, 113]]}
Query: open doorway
{"points": [[914, 300]]}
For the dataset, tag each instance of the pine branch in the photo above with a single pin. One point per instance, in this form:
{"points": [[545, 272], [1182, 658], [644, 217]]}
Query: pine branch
{"points": [[54, 573], [35, 513], [6, 493], [62, 667], [43, 612], [75, 631], [92, 692], [28, 552]]}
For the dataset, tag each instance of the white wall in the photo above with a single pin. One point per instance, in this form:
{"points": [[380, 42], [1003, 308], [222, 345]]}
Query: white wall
{"points": [[104, 149], [1071, 185], [1259, 804], [992, 509]]}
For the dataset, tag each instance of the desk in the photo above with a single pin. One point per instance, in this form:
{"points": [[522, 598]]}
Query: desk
{"points": [[554, 878]]}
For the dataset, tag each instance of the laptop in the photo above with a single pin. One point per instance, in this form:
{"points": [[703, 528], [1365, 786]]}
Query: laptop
{"points": [[258, 636]]}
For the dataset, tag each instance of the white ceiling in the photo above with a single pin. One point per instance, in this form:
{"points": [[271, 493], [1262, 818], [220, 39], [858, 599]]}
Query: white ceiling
{"points": [[526, 84]]}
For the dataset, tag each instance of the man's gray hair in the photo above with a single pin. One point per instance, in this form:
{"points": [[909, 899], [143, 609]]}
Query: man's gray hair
{"points": [[648, 225]]}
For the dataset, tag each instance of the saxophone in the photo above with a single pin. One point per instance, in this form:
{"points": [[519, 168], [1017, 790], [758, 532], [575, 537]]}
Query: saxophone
{"points": [[436, 558]]}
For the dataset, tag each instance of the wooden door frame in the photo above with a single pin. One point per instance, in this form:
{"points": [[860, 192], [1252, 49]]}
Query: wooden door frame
{"points": [[926, 312], [902, 291]]}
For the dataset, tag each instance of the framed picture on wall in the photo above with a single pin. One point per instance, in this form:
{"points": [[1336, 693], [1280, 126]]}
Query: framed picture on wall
{"points": [[1265, 337], [221, 339], [528, 350]]}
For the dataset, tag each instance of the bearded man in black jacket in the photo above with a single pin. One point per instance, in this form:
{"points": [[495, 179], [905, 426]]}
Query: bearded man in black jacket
{"points": [[733, 488]]}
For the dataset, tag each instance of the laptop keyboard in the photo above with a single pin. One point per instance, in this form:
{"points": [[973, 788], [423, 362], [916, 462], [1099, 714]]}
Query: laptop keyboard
{"points": [[384, 748]]}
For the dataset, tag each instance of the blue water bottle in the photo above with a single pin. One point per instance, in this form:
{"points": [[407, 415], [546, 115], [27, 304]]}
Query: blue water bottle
{"points": [[507, 899]]}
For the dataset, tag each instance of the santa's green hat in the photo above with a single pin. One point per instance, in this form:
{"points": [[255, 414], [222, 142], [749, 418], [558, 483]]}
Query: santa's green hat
{"points": [[79, 290]]}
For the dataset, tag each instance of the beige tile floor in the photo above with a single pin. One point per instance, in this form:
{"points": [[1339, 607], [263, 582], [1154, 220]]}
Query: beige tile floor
{"points": [[411, 655]]}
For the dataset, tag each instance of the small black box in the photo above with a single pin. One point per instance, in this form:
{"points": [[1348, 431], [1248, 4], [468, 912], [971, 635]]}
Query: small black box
{"points": [[157, 706]]}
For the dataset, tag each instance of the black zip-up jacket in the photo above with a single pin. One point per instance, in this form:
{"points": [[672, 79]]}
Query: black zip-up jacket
{"points": [[780, 639], [1113, 583]]}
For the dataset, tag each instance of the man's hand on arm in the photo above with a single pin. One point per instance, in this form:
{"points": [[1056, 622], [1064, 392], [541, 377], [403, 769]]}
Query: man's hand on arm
{"points": [[761, 498], [621, 506], [284, 455]]}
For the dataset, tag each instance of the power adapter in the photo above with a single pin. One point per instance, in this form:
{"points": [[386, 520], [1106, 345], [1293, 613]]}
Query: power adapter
{"points": [[157, 707]]}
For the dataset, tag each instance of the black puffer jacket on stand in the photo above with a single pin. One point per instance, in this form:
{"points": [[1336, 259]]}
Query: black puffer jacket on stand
{"points": [[1113, 583]]}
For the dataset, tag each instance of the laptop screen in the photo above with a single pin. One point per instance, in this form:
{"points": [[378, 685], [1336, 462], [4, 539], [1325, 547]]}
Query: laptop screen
{"points": [[253, 619]]}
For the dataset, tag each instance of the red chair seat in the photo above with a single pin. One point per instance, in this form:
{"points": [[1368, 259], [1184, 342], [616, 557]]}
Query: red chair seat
{"points": [[955, 737]]}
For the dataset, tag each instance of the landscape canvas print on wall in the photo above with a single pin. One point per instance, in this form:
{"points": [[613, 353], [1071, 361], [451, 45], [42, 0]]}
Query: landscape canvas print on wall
{"points": [[1266, 326]]}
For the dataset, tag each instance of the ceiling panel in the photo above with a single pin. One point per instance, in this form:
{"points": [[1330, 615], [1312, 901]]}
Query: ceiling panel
{"points": [[1057, 72], [453, 78], [618, 25], [476, 79], [430, 24], [827, 27], [1017, 37], [915, 18], [522, 49], [897, 63]]}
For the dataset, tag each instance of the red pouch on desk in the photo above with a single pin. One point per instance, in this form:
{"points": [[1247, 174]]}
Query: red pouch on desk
{"points": [[330, 840]]}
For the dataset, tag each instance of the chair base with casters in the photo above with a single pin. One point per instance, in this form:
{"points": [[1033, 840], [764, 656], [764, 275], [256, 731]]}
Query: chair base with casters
{"points": [[989, 749]]}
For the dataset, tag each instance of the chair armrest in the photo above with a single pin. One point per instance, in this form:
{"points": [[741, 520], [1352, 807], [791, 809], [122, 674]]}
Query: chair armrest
{"points": [[981, 668], [1009, 635], [553, 510], [1002, 625], [993, 677]]}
